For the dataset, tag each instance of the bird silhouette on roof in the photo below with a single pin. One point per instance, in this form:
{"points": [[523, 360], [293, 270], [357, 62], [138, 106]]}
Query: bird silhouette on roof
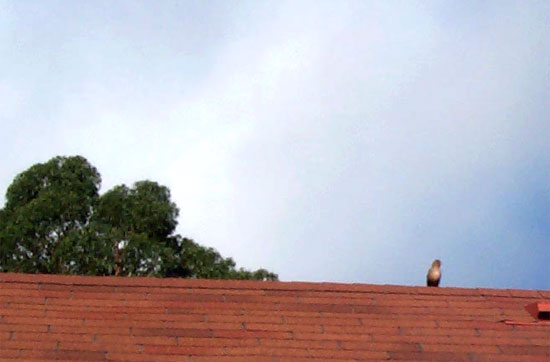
{"points": [[434, 274]]}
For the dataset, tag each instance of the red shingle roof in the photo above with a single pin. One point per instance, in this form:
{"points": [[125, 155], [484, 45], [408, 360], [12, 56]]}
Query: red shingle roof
{"points": [[49, 317]]}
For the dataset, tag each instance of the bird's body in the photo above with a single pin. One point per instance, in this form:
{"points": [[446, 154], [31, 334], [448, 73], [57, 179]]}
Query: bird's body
{"points": [[434, 274]]}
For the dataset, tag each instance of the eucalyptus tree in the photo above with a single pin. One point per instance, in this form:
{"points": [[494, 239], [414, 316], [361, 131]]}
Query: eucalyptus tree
{"points": [[55, 221]]}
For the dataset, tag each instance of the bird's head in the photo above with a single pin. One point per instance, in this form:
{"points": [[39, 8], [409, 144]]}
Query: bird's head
{"points": [[436, 263]]}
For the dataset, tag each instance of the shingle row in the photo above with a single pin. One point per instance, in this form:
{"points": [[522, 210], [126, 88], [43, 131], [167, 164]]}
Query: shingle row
{"points": [[50, 318]]}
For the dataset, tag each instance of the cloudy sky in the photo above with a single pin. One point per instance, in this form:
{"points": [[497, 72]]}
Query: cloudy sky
{"points": [[348, 141]]}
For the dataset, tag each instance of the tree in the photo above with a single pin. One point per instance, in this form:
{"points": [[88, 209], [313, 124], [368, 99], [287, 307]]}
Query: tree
{"points": [[138, 221], [55, 221], [44, 205], [194, 260]]}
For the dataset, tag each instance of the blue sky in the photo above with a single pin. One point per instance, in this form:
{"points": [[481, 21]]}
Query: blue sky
{"points": [[350, 141]]}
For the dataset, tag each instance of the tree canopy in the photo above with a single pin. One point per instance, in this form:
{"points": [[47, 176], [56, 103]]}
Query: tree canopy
{"points": [[55, 221]]}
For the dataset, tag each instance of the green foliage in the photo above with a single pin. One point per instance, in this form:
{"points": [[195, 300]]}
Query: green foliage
{"points": [[145, 209], [193, 260], [54, 221], [43, 205]]}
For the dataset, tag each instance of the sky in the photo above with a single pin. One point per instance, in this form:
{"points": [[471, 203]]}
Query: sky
{"points": [[338, 141]]}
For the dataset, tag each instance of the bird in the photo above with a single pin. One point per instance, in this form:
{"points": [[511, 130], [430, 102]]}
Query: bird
{"points": [[434, 274]]}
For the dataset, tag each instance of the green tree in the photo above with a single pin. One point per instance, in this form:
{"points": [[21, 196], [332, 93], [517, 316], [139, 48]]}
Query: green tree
{"points": [[44, 205], [55, 221], [138, 221]]}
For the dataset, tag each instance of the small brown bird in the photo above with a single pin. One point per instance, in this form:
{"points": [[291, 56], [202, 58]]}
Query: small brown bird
{"points": [[434, 274]]}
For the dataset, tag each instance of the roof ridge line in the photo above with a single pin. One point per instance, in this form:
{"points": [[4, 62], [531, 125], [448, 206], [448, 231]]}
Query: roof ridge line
{"points": [[85, 280]]}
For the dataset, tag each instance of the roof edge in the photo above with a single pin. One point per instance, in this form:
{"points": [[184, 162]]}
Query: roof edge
{"points": [[264, 285]]}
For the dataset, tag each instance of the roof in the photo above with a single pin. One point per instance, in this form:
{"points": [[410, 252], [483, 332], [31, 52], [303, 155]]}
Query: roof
{"points": [[52, 317]]}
